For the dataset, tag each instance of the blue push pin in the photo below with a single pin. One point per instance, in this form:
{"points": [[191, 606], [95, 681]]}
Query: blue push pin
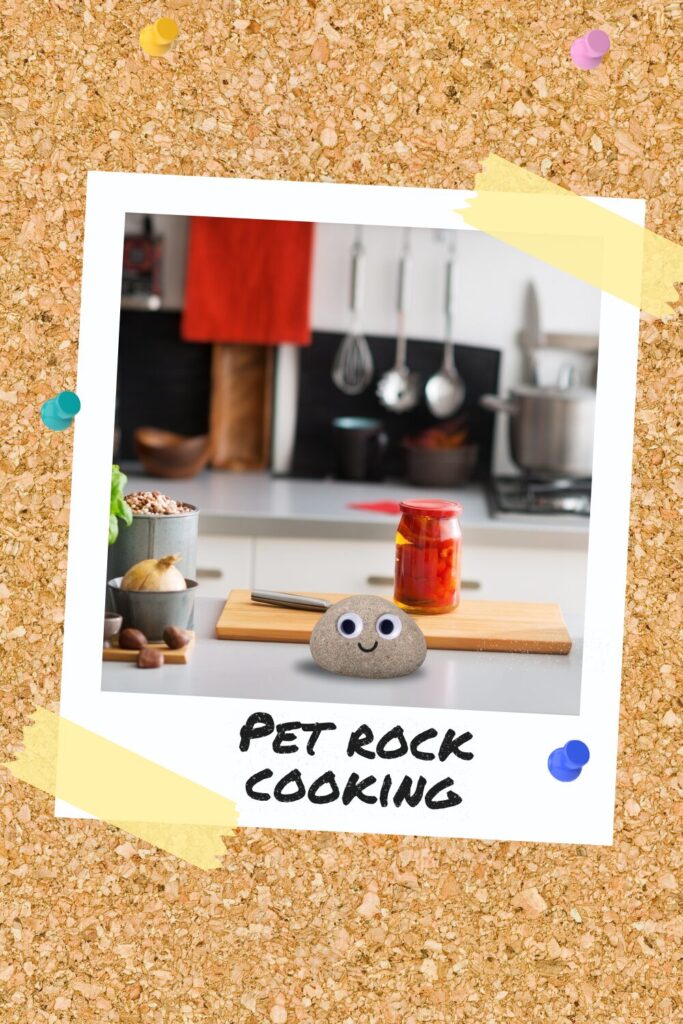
{"points": [[58, 413], [566, 762]]}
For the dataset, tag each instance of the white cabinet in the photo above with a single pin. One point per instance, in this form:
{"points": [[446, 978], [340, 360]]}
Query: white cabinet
{"points": [[489, 572], [525, 574], [223, 564], [336, 566]]}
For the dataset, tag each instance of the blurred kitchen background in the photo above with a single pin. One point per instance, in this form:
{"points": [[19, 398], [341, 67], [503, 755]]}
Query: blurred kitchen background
{"points": [[277, 350]]}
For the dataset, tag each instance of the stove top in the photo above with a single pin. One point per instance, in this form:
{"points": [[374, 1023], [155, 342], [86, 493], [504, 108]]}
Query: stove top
{"points": [[526, 496]]}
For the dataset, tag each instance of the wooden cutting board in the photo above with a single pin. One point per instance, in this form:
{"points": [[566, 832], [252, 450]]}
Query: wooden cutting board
{"points": [[474, 626], [241, 406], [179, 656]]}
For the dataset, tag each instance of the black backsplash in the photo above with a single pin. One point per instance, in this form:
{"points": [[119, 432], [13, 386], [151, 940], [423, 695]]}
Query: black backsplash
{"points": [[165, 382], [320, 401], [162, 381]]}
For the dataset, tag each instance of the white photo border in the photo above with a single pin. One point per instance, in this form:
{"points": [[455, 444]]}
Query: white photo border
{"points": [[507, 791]]}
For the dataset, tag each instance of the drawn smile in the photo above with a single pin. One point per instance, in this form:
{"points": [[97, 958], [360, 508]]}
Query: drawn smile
{"points": [[369, 650]]}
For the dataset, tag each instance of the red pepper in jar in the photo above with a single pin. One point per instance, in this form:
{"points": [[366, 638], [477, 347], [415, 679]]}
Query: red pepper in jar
{"points": [[428, 544]]}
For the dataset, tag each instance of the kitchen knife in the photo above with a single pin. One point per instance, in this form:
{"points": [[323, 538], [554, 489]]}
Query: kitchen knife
{"points": [[297, 601]]}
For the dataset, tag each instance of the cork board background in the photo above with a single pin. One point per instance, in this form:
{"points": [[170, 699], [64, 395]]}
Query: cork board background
{"points": [[305, 927]]}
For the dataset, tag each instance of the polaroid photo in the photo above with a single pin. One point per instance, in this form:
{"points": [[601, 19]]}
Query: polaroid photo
{"points": [[300, 394]]}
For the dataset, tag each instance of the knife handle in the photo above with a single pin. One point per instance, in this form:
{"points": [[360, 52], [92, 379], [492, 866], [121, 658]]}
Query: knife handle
{"points": [[298, 601]]}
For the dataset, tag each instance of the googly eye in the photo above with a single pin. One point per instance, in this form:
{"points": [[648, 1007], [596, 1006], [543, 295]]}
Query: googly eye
{"points": [[388, 626], [349, 625]]}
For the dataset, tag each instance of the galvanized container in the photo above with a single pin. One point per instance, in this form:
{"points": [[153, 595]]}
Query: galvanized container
{"points": [[153, 536], [151, 610]]}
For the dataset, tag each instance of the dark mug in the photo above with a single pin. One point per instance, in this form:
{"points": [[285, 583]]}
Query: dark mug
{"points": [[360, 445]]}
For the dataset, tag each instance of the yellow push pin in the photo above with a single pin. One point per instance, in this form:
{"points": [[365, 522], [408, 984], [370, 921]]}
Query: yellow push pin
{"points": [[157, 39]]}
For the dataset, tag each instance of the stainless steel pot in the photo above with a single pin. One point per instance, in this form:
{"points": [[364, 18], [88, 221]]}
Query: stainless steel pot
{"points": [[551, 429]]}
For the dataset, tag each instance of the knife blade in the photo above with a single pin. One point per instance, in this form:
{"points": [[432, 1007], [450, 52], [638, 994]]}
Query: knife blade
{"points": [[296, 601]]}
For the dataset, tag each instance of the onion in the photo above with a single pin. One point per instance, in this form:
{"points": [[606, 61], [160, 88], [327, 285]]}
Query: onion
{"points": [[155, 574]]}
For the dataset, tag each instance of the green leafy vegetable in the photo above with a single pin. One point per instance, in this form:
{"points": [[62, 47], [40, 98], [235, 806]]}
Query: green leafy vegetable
{"points": [[118, 508]]}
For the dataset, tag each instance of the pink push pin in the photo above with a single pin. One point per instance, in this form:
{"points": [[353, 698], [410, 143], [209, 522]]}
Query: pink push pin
{"points": [[588, 51]]}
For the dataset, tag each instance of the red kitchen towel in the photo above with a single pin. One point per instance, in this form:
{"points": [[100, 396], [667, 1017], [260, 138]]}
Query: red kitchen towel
{"points": [[248, 281]]}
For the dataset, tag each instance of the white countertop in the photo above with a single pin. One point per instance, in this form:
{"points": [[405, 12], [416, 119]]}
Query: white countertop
{"points": [[531, 683], [257, 504]]}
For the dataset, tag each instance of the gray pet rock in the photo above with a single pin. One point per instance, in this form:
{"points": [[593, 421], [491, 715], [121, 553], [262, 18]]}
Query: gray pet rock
{"points": [[368, 637]]}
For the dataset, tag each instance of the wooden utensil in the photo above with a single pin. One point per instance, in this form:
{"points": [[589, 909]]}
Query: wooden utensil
{"points": [[509, 626]]}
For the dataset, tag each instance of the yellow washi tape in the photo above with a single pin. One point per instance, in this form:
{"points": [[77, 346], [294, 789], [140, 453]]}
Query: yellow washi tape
{"points": [[125, 789], [573, 234]]}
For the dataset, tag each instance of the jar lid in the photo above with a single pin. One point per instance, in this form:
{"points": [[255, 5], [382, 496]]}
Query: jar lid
{"points": [[432, 507]]}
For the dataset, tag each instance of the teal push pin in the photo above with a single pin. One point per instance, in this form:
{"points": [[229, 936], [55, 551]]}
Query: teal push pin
{"points": [[58, 413]]}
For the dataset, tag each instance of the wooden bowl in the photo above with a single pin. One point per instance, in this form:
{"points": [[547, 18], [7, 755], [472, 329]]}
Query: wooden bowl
{"points": [[440, 467], [166, 454]]}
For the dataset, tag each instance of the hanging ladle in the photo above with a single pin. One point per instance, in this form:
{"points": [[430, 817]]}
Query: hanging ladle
{"points": [[398, 389], [445, 391]]}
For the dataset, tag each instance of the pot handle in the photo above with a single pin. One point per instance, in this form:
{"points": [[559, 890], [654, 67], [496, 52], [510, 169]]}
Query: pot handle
{"points": [[494, 403]]}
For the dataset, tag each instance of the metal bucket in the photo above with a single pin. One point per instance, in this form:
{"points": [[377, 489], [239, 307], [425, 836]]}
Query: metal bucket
{"points": [[153, 537], [152, 611]]}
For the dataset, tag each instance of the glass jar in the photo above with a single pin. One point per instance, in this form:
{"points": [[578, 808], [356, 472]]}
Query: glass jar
{"points": [[428, 547]]}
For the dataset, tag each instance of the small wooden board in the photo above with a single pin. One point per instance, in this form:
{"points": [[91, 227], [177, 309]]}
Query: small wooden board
{"points": [[179, 656], [474, 626]]}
